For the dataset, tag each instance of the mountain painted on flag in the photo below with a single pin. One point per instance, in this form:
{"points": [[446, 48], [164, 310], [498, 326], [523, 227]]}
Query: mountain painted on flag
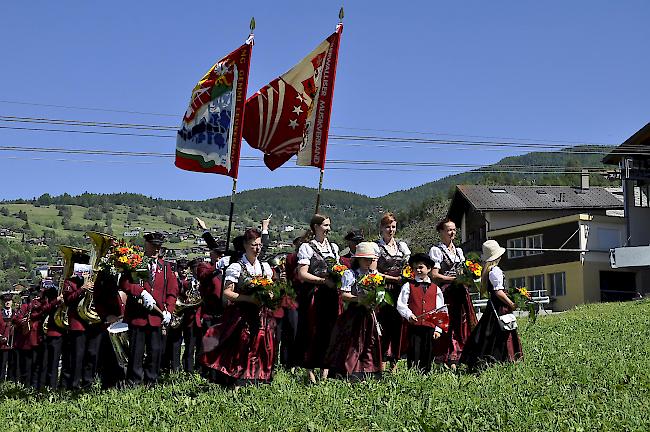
{"points": [[291, 114], [209, 139]]}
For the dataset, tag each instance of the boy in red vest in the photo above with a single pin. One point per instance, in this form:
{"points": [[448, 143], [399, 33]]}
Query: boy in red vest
{"points": [[418, 299]]}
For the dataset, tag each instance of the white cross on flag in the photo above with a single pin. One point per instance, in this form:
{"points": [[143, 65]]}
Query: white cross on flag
{"points": [[291, 114]]}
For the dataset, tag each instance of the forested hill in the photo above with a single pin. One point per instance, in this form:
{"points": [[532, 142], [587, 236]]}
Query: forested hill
{"points": [[295, 204]]}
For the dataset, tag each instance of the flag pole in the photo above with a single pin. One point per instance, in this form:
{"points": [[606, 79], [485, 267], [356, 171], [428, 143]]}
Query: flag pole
{"points": [[234, 179], [322, 167]]}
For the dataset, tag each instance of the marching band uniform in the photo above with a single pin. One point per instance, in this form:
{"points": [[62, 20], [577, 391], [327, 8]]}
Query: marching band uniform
{"points": [[23, 343], [392, 325], [318, 305], [109, 306], [6, 336], [288, 323], [415, 299], [355, 349], [462, 317], [211, 308], [53, 344], [74, 345], [144, 325], [241, 346]]}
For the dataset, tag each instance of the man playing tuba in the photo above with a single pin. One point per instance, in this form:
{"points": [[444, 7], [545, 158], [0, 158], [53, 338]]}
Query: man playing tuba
{"points": [[149, 306]]}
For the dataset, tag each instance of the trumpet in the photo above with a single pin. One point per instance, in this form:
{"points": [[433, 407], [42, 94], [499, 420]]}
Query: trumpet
{"points": [[101, 245], [71, 255]]}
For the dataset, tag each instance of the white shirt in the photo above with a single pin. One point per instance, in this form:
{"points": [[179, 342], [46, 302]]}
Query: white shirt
{"points": [[496, 277], [223, 262], [437, 252], [257, 269], [327, 249], [403, 301]]}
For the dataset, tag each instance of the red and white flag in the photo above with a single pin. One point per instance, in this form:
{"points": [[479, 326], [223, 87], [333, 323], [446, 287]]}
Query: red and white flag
{"points": [[291, 115]]}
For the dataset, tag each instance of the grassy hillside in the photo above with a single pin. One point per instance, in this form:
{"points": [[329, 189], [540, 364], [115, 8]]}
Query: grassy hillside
{"points": [[584, 370]]}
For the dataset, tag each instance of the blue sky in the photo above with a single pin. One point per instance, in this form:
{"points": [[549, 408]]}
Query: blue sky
{"points": [[553, 71]]}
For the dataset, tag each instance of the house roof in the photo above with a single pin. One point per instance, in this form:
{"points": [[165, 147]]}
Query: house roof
{"points": [[497, 198], [637, 143]]}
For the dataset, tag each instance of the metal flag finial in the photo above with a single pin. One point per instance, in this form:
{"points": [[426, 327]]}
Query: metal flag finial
{"points": [[252, 25], [341, 14]]}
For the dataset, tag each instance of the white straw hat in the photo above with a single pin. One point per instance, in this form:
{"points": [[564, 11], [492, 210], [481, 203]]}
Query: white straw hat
{"points": [[366, 250], [492, 251]]}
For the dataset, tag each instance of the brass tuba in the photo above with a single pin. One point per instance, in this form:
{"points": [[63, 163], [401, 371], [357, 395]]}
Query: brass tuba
{"points": [[71, 255], [101, 245], [190, 298]]}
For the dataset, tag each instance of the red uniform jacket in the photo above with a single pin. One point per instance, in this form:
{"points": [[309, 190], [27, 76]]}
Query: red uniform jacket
{"points": [[107, 297], [21, 330], [164, 291], [49, 309], [210, 288], [36, 331], [6, 330], [421, 301], [72, 294]]}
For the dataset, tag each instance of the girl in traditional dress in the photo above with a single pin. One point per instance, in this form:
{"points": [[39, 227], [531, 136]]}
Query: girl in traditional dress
{"points": [[418, 298], [488, 343], [318, 300], [393, 256], [355, 348], [240, 347], [462, 318]]}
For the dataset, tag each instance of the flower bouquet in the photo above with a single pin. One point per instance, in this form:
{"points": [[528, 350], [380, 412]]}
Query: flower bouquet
{"points": [[374, 289], [470, 273], [271, 294], [407, 274], [125, 258], [335, 271], [522, 298]]}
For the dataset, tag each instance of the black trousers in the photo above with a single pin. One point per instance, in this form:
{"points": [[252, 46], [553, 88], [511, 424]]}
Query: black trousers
{"points": [[94, 334], [286, 333], [53, 347], [38, 366], [12, 366], [4, 364], [110, 372], [74, 348], [171, 359], [193, 337], [420, 351], [24, 373], [144, 354]]}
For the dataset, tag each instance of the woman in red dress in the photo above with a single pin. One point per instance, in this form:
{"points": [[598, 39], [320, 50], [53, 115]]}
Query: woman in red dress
{"points": [[241, 347]]}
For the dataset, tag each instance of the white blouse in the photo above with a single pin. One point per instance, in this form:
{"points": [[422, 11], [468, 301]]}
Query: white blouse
{"points": [[257, 269], [403, 301], [327, 249], [497, 277], [436, 253]]}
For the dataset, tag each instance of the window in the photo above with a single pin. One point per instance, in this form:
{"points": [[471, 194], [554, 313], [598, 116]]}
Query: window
{"points": [[558, 284], [493, 190], [515, 243], [641, 193], [534, 242], [536, 283], [517, 282]]}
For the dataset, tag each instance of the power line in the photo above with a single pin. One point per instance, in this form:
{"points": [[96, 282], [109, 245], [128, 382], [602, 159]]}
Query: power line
{"points": [[360, 139], [178, 116], [355, 164]]}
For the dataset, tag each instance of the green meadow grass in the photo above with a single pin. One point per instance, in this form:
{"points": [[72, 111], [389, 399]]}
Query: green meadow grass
{"points": [[584, 370]]}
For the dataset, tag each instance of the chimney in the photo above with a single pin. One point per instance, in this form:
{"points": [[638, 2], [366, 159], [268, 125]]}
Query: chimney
{"points": [[584, 180]]}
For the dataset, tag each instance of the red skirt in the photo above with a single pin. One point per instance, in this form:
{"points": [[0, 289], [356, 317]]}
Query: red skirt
{"points": [[355, 346], [318, 308], [241, 346], [462, 320]]}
